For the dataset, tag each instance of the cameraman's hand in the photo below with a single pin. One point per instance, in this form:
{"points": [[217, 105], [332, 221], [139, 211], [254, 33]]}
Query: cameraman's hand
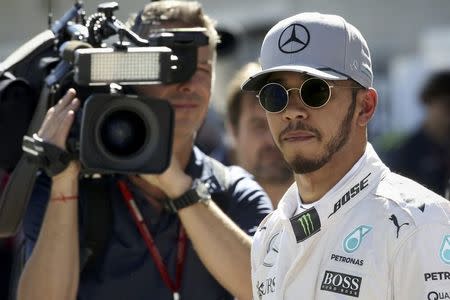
{"points": [[173, 181], [56, 127], [59, 119]]}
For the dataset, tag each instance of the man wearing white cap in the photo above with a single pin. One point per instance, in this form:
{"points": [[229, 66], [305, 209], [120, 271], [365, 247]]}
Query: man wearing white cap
{"points": [[348, 227]]}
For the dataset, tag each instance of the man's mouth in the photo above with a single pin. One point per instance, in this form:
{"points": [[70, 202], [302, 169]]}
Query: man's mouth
{"points": [[297, 135], [184, 105]]}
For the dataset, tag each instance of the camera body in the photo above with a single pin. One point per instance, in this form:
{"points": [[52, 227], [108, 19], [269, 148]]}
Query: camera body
{"points": [[115, 131]]}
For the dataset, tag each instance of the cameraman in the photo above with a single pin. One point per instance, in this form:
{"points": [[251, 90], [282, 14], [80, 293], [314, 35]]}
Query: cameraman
{"points": [[216, 260]]}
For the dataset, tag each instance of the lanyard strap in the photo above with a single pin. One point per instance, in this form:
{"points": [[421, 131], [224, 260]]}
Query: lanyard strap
{"points": [[149, 241]]}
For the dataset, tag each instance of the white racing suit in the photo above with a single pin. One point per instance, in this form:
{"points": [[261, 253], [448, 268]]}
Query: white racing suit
{"points": [[374, 235]]}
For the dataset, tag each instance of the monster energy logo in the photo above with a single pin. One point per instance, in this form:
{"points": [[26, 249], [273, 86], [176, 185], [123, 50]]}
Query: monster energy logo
{"points": [[305, 224]]}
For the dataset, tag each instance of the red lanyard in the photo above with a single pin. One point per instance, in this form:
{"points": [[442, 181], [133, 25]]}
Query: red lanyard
{"points": [[148, 238]]}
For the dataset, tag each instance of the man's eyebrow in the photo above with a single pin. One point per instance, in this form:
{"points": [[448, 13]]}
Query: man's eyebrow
{"points": [[275, 80]]}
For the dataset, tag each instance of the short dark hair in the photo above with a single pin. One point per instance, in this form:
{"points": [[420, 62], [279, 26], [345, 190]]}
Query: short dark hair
{"points": [[436, 86], [233, 101]]}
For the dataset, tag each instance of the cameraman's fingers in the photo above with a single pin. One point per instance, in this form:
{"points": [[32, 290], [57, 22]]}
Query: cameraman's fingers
{"points": [[66, 118], [55, 110], [72, 106], [57, 124], [65, 100]]}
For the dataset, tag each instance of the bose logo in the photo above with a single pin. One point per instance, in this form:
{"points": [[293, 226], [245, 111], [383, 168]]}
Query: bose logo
{"points": [[350, 194]]}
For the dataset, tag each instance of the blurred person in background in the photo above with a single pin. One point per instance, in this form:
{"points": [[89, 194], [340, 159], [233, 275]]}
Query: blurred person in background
{"points": [[425, 154], [191, 238], [210, 135], [251, 145]]}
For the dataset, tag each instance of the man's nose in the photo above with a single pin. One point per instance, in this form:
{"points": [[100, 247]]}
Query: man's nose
{"points": [[295, 109], [188, 86]]}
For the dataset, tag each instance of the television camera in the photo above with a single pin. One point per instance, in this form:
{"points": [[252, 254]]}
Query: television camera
{"points": [[115, 131]]}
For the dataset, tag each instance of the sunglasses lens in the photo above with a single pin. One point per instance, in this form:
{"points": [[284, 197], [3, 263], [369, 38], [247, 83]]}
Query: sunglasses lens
{"points": [[315, 92], [273, 97]]}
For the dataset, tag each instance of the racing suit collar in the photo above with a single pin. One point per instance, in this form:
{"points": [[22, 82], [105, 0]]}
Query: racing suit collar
{"points": [[354, 186]]}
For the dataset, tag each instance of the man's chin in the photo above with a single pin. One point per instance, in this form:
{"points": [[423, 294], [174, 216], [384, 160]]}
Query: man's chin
{"points": [[302, 165]]}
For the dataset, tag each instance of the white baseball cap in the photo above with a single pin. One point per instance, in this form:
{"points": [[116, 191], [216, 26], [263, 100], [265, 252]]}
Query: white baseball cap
{"points": [[324, 46]]}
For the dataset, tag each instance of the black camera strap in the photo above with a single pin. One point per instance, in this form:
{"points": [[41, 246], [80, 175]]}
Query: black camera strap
{"points": [[97, 218], [15, 197]]}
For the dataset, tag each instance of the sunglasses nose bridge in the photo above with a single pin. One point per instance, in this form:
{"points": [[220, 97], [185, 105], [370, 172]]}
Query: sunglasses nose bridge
{"points": [[295, 108], [292, 89], [297, 96]]}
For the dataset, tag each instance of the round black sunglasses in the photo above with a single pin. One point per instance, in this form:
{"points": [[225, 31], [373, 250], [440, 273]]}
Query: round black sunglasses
{"points": [[314, 93]]}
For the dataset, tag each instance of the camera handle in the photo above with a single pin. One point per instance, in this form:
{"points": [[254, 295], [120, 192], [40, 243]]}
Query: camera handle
{"points": [[74, 12]]}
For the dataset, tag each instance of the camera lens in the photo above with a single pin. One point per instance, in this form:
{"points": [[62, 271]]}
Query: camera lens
{"points": [[123, 133]]}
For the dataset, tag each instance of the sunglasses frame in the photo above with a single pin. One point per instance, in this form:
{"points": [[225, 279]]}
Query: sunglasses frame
{"points": [[300, 93]]}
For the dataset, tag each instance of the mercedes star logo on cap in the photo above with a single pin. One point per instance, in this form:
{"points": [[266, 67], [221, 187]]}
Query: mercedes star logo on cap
{"points": [[293, 39]]}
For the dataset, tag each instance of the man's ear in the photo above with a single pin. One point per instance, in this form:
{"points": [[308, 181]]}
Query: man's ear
{"points": [[368, 100]]}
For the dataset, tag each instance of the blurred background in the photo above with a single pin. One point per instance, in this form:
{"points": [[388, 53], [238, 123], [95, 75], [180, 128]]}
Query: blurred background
{"points": [[408, 39]]}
